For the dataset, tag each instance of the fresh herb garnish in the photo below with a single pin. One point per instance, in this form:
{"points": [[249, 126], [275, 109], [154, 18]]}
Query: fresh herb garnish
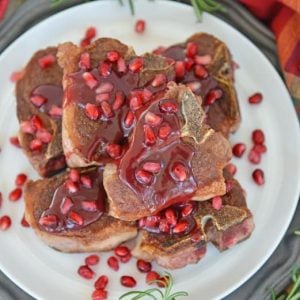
{"points": [[156, 293]]}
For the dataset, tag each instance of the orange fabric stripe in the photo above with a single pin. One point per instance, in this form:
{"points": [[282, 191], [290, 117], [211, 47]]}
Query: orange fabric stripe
{"points": [[293, 4]]}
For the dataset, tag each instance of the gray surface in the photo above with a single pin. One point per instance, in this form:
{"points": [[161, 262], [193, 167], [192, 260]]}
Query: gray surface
{"points": [[275, 273]]}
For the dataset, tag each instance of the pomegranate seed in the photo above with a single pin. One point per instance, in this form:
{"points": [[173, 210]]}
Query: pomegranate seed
{"points": [[179, 172], [171, 216], [153, 119], [44, 136], [168, 107], [74, 217], [181, 226], [191, 49], [152, 221], [255, 98], [140, 26], [27, 127], [128, 281], [105, 87], [189, 64], [5, 223], [151, 277], [89, 205], [99, 294], [92, 260], [85, 61], [46, 61], [35, 145], [164, 226], [15, 194], [71, 186], [74, 175], [200, 72], [179, 69], [152, 167], [121, 251], [135, 103], [212, 96], [105, 69], [37, 122], [159, 50], [129, 119], [144, 177], [239, 149], [92, 111], [125, 259], [194, 85], [231, 168], [89, 79], [86, 272], [48, 221], [146, 95], [114, 150], [258, 136], [136, 64], [143, 266], [258, 176], [217, 202], [254, 157], [106, 108], [112, 56], [163, 281], [86, 181], [164, 131], [90, 32], [119, 100], [20, 179], [101, 282], [159, 80], [102, 97], [38, 100], [187, 210], [113, 263], [55, 111], [16, 76], [150, 138], [66, 205], [24, 223], [85, 42], [260, 148], [14, 140], [203, 59], [121, 65]]}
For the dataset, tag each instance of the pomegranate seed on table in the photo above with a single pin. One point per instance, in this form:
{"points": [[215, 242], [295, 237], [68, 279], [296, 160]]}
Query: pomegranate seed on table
{"points": [[86, 272], [14, 140], [255, 98], [99, 294], [238, 149], [143, 266], [140, 26], [92, 260], [20, 179], [217, 202], [101, 282], [258, 136], [231, 168], [128, 281], [91, 32], [126, 258], [47, 61], [5, 223], [254, 157], [15, 194], [24, 223], [260, 148], [113, 263], [258, 176], [121, 251], [151, 277]]}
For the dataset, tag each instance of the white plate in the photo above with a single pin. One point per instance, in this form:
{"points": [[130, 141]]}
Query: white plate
{"points": [[47, 274]]}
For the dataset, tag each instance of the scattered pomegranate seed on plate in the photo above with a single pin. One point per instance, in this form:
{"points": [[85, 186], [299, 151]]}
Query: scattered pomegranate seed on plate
{"points": [[121, 251], [86, 272], [258, 136], [20, 179], [128, 281], [258, 176], [15, 194], [92, 260], [143, 266], [255, 98], [238, 149], [113, 263], [140, 26], [99, 294], [5, 223], [14, 140], [101, 282], [24, 223], [151, 277]]}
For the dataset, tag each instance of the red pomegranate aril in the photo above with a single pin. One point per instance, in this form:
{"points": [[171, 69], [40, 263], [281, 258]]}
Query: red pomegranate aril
{"points": [[71, 186], [5, 223], [74, 175], [99, 294], [152, 167], [168, 107], [90, 32], [112, 56], [171, 216], [180, 227], [119, 100], [14, 140], [140, 26], [55, 111], [102, 97], [85, 42], [146, 95], [24, 223], [46, 61], [143, 266], [203, 59], [150, 138], [85, 61], [15, 195], [66, 205], [44, 136], [153, 119], [260, 148], [113, 263], [136, 64], [105, 69], [48, 221], [151, 277], [254, 157], [20, 179], [104, 87], [258, 176], [152, 221], [255, 98], [163, 281], [121, 251], [114, 150], [144, 177], [231, 168], [90, 80], [35, 145], [92, 260], [164, 226], [129, 119], [164, 131], [135, 103], [179, 172], [27, 127], [106, 109], [212, 96], [38, 100], [89, 206], [75, 218], [258, 136], [179, 69], [239, 149], [217, 202], [86, 272], [189, 63], [200, 72], [194, 85], [101, 282], [128, 281], [36, 122], [86, 181], [16, 76], [121, 65], [191, 49], [187, 210], [125, 259], [159, 80]]}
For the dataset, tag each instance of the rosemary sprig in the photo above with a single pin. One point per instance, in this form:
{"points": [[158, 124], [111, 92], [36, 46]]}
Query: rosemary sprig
{"points": [[156, 293]]}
